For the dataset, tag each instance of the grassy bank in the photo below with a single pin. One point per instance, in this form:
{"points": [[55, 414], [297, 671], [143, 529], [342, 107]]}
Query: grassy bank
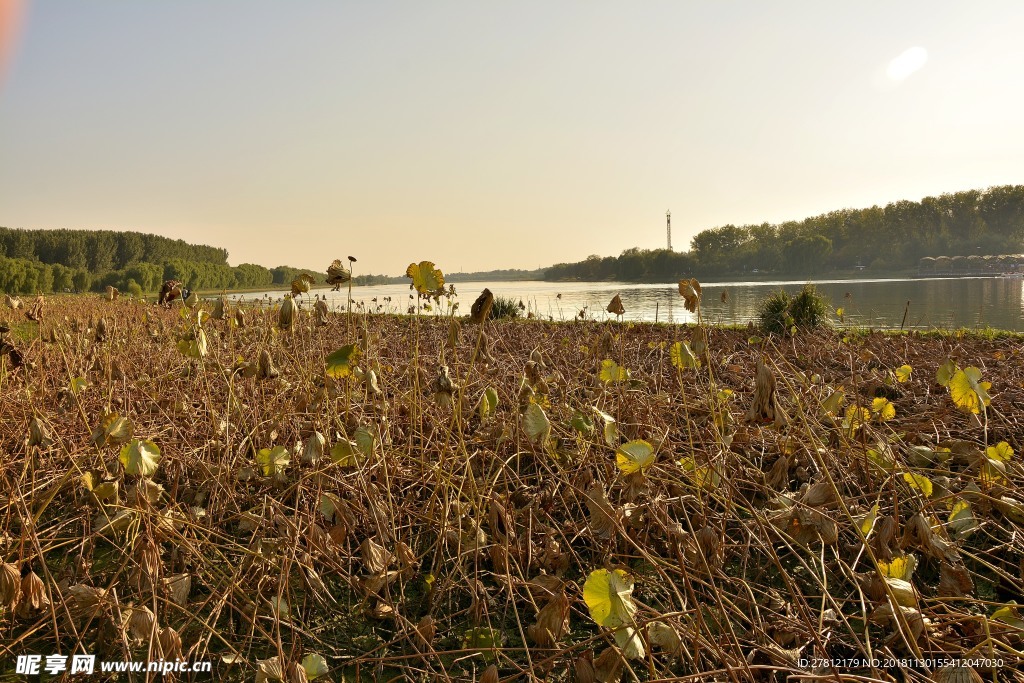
{"points": [[567, 501]]}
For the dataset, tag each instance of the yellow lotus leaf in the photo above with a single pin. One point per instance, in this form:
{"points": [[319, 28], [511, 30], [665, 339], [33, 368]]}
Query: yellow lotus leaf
{"points": [[611, 430], [946, 372], [426, 278], [609, 597], [78, 385], [703, 477], [341, 362], [273, 460], [855, 418], [867, 521], [634, 456], [967, 390], [903, 591], [899, 568], [536, 424], [993, 471], [961, 518], [488, 403], [347, 453], [903, 373], [193, 343], [612, 372], [919, 482], [315, 666], [683, 357], [140, 457], [881, 457], [112, 429], [835, 401], [1001, 451], [1008, 615], [630, 642], [883, 408]]}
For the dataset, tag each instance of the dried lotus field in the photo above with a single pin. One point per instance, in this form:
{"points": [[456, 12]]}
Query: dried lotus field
{"points": [[379, 497]]}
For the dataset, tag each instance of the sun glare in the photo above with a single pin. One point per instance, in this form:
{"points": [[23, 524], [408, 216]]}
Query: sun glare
{"points": [[907, 63]]}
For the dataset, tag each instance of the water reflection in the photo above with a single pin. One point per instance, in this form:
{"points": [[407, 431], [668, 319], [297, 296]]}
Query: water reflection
{"points": [[942, 303]]}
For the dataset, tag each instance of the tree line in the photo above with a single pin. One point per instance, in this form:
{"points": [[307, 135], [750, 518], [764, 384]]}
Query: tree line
{"points": [[44, 261], [880, 239], [99, 251]]}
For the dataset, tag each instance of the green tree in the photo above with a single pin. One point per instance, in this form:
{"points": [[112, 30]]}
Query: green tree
{"points": [[81, 281], [806, 253]]}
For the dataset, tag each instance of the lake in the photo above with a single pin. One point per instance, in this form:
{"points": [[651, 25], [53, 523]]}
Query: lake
{"points": [[935, 303]]}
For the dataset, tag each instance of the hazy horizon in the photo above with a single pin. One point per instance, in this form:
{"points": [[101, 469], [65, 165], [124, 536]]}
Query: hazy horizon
{"points": [[492, 137]]}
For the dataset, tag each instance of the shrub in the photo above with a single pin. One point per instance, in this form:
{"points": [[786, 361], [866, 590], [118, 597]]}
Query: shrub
{"points": [[504, 307], [773, 312], [779, 311]]}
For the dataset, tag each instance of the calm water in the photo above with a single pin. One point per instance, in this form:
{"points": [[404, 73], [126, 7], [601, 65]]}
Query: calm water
{"points": [[934, 303]]}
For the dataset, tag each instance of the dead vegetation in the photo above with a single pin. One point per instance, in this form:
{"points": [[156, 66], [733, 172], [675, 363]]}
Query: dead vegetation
{"points": [[381, 496]]}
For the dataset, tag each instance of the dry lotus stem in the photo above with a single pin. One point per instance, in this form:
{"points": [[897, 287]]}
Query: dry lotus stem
{"points": [[615, 306], [265, 368], [320, 312], [140, 624], [690, 291], [178, 587], [337, 275], [10, 586], [481, 308], [147, 556], [287, 312], [219, 307], [170, 643], [765, 407], [490, 675], [35, 313], [608, 665], [552, 622], [426, 630], [33, 595], [443, 386]]}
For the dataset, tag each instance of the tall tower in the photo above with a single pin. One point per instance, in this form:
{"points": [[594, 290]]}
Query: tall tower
{"points": [[668, 228]]}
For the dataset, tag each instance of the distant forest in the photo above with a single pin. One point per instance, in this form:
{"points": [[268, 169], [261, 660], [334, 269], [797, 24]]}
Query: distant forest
{"points": [[878, 239], [43, 261], [504, 275]]}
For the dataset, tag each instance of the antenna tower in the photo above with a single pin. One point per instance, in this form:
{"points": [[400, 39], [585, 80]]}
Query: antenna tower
{"points": [[668, 228]]}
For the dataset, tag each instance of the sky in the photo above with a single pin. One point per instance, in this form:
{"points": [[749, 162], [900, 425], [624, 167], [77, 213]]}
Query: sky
{"points": [[484, 135]]}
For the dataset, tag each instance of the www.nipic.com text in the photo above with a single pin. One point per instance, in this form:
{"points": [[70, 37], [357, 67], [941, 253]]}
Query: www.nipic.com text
{"points": [[35, 665]]}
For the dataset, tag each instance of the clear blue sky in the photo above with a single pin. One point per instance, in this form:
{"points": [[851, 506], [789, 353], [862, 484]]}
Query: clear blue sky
{"points": [[486, 135]]}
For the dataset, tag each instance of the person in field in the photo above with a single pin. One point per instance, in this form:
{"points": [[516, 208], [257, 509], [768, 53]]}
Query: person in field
{"points": [[171, 290]]}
